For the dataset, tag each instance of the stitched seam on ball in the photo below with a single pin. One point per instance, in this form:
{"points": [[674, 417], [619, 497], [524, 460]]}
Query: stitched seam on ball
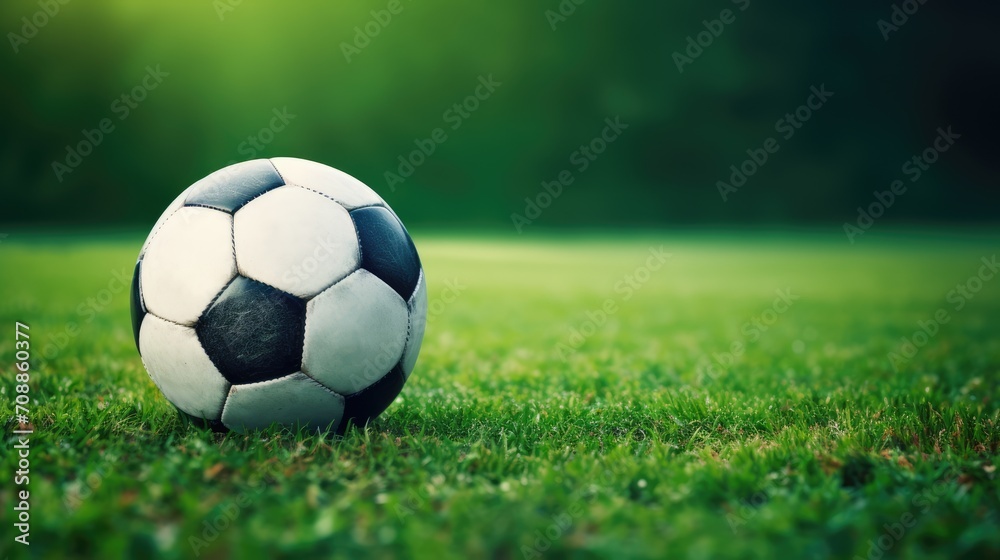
{"points": [[208, 207], [305, 338], [369, 387], [324, 387], [306, 375], [225, 399], [248, 201], [152, 236], [232, 238], [276, 170], [376, 205], [340, 203], [409, 317], [148, 374], [225, 404], [169, 321], [413, 297], [338, 281], [216, 298], [138, 282], [357, 235]]}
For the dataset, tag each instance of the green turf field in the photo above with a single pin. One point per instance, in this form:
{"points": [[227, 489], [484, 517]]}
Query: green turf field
{"points": [[568, 403]]}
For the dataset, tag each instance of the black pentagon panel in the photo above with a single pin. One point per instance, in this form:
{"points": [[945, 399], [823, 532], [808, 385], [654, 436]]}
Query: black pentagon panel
{"points": [[203, 424], [253, 332], [368, 403], [387, 250], [230, 188], [138, 309]]}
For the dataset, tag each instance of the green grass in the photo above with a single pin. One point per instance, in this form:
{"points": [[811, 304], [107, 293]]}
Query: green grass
{"points": [[808, 445]]}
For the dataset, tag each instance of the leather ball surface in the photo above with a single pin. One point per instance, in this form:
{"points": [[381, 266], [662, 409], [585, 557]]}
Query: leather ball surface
{"points": [[279, 291]]}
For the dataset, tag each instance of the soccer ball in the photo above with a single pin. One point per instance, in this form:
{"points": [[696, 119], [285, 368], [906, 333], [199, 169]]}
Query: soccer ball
{"points": [[279, 291]]}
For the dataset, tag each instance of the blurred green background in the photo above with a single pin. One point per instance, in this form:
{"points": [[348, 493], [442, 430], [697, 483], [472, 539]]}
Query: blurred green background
{"points": [[231, 64]]}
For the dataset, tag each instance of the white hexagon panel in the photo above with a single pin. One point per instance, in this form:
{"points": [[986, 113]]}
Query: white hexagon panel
{"points": [[296, 240]]}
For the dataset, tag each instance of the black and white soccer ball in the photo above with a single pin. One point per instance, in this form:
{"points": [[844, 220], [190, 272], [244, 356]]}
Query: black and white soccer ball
{"points": [[279, 291]]}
